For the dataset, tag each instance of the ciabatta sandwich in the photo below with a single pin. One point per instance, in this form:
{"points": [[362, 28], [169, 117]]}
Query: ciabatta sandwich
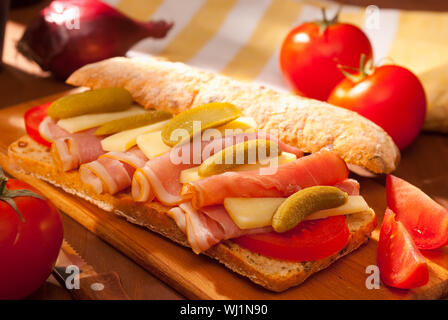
{"points": [[234, 213]]}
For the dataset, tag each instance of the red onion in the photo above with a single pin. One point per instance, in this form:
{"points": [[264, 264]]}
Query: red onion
{"points": [[71, 33]]}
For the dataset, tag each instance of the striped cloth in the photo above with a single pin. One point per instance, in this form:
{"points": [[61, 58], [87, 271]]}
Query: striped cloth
{"points": [[241, 38]]}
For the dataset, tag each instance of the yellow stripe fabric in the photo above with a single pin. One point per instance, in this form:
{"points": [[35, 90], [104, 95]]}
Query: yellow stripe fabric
{"points": [[355, 18], [419, 43], [265, 40], [421, 40], [202, 27], [139, 9]]}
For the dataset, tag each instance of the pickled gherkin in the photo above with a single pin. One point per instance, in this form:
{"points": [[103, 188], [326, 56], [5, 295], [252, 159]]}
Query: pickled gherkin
{"points": [[132, 122], [93, 101], [237, 155], [304, 202], [209, 115]]}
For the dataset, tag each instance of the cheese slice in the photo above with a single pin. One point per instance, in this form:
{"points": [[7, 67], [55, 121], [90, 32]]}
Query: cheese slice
{"points": [[87, 121], [125, 140], [152, 144], [250, 213], [353, 205], [191, 174], [241, 124]]}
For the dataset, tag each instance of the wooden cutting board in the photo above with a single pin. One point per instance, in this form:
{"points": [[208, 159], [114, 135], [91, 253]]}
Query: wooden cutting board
{"points": [[424, 164]]}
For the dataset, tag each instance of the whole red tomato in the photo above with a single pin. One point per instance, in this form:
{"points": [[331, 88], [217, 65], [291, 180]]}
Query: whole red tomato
{"points": [[30, 238], [311, 52], [391, 96]]}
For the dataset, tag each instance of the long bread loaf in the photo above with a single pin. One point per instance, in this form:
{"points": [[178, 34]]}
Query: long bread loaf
{"points": [[305, 123]]}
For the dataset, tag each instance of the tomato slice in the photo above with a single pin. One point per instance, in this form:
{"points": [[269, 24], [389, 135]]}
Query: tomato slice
{"points": [[425, 219], [33, 118], [401, 263], [309, 240]]}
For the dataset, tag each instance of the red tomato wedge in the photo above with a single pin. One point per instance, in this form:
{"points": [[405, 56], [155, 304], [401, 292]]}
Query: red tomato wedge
{"points": [[308, 241], [33, 118], [425, 219], [401, 263]]}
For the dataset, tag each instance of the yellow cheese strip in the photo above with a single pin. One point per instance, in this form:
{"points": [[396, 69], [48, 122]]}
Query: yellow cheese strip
{"points": [[353, 205], [190, 175], [125, 140], [250, 213], [88, 121], [152, 144], [242, 124]]}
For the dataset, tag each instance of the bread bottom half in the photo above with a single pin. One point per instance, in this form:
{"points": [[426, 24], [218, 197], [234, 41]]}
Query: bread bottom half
{"points": [[273, 274]]}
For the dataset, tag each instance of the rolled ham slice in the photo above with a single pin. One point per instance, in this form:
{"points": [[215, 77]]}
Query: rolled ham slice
{"points": [[112, 172], [351, 186], [208, 226], [70, 150], [50, 131], [320, 168], [160, 177]]}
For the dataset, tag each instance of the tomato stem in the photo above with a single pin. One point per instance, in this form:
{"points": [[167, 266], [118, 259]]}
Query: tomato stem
{"points": [[324, 15], [7, 195], [365, 69], [325, 22]]}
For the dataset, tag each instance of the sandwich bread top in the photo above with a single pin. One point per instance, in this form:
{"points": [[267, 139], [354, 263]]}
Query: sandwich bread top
{"points": [[305, 123]]}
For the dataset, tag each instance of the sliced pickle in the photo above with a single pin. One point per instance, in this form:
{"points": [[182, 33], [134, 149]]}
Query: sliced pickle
{"points": [[305, 202], [93, 101], [208, 115], [132, 122], [237, 155]]}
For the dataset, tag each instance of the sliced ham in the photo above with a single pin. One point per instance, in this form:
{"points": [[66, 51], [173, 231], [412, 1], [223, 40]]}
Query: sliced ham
{"points": [[320, 168], [50, 131], [160, 177], [351, 186], [208, 226], [133, 157], [70, 150], [113, 171], [178, 215]]}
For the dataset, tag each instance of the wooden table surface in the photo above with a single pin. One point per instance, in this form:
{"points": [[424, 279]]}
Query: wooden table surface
{"points": [[21, 81]]}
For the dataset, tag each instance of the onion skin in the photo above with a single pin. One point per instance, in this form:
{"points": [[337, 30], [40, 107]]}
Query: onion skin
{"points": [[69, 34]]}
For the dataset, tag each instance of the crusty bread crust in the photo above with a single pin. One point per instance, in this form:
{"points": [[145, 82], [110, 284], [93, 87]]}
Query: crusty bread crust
{"points": [[301, 122], [273, 274]]}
